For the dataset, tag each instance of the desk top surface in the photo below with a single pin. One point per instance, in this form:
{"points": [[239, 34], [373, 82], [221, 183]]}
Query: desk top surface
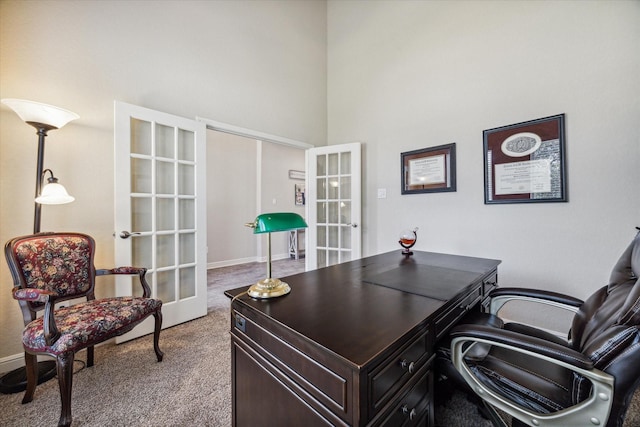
{"points": [[357, 309]]}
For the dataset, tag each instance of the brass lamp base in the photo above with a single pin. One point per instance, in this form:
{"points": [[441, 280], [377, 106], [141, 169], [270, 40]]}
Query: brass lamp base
{"points": [[269, 288]]}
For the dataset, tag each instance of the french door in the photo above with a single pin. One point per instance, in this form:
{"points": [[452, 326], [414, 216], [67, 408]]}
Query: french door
{"points": [[160, 210], [333, 204]]}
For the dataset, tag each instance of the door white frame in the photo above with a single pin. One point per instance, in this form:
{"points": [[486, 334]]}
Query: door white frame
{"points": [[253, 134]]}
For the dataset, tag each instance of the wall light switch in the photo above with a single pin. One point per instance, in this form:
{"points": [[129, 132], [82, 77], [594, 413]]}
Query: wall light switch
{"points": [[382, 193]]}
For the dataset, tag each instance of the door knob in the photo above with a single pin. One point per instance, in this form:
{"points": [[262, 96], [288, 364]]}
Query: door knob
{"points": [[353, 225]]}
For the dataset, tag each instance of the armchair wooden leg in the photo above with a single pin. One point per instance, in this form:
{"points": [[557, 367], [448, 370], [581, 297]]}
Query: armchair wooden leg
{"points": [[31, 366], [65, 382], [89, 356], [156, 335]]}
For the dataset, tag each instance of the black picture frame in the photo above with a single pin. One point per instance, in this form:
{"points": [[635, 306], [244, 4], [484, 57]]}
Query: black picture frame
{"points": [[525, 162], [429, 170]]}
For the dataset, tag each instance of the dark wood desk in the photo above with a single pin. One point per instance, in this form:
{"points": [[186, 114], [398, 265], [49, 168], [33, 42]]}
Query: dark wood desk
{"points": [[352, 344]]}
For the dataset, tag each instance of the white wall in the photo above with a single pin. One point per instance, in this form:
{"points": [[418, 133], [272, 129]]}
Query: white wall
{"points": [[232, 169], [258, 65], [408, 75]]}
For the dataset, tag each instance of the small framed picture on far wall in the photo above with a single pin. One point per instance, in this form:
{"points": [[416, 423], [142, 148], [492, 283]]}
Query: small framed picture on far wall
{"points": [[299, 194]]}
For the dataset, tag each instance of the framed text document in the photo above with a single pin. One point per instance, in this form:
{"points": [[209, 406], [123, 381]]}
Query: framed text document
{"points": [[525, 162], [429, 170]]}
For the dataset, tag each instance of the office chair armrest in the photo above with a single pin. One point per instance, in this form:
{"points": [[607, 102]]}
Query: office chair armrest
{"points": [[140, 271], [501, 296], [596, 407], [514, 340]]}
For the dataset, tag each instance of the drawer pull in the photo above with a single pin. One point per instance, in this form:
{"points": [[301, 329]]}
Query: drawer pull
{"points": [[409, 366], [411, 413]]}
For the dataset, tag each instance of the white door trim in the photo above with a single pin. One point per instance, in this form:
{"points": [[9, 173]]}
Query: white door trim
{"points": [[250, 133]]}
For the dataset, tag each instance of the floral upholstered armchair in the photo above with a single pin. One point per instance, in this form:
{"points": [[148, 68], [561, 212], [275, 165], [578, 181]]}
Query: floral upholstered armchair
{"points": [[48, 268]]}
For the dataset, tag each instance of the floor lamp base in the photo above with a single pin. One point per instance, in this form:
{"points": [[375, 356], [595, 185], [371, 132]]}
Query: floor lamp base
{"points": [[16, 380]]}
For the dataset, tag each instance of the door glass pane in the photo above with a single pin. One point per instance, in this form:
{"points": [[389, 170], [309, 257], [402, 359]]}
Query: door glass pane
{"points": [[140, 175], [345, 237], [334, 186], [345, 187], [332, 167], [140, 214], [321, 165], [345, 163], [166, 285], [334, 212], [165, 141], [186, 145], [187, 214], [165, 250], [322, 258], [165, 217], [187, 282], [164, 177], [322, 212], [345, 256], [322, 235], [136, 287], [333, 237], [141, 247], [321, 188], [140, 137], [345, 212], [187, 248], [333, 257], [186, 180]]}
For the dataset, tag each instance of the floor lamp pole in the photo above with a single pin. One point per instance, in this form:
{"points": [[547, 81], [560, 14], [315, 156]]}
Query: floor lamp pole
{"points": [[42, 133]]}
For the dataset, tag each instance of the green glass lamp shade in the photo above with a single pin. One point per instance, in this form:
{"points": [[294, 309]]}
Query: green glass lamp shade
{"points": [[279, 221]]}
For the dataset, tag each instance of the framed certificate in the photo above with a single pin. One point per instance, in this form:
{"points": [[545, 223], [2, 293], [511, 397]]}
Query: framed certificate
{"points": [[525, 162], [429, 170]]}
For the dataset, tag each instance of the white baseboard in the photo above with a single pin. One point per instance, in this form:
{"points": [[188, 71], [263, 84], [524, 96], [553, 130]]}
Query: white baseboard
{"points": [[15, 361], [9, 363]]}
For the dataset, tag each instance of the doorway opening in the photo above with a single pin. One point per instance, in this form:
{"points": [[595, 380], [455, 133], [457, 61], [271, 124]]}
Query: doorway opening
{"points": [[245, 177]]}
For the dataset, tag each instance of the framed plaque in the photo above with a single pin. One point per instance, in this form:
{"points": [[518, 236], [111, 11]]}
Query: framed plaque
{"points": [[429, 170], [525, 162]]}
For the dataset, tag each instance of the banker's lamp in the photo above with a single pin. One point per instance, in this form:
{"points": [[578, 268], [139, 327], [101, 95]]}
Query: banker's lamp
{"points": [[269, 223], [44, 118]]}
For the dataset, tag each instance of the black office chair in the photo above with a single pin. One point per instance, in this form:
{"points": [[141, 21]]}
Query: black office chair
{"points": [[541, 379]]}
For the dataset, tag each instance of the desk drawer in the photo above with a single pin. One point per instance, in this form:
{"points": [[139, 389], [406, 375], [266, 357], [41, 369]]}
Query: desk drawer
{"points": [[397, 370], [412, 408], [489, 284], [328, 383], [459, 309]]}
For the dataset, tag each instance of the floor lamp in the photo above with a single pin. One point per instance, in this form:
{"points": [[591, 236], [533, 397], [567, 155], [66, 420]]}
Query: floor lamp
{"points": [[44, 118]]}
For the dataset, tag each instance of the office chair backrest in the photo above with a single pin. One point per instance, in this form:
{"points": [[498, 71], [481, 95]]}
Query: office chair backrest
{"points": [[607, 327]]}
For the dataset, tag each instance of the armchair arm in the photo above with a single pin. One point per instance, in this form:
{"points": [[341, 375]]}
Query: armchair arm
{"points": [[32, 294], [140, 271], [500, 296], [596, 407], [51, 332]]}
